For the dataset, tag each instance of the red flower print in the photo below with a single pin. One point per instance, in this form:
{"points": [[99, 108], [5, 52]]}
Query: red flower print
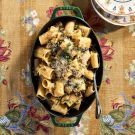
{"points": [[46, 117], [107, 50], [33, 113], [102, 41], [5, 51], [133, 114], [35, 116], [116, 105], [5, 82], [12, 105], [118, 102], [44, 128], [133, 96], [1, 41], [33, 110], [50, 11], [108, 81]]}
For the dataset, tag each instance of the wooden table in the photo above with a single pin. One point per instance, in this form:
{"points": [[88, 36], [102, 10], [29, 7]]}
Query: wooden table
{"points": [[21, 112]]}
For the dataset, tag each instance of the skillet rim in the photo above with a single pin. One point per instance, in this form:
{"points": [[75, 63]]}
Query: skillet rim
{"points": [[42, 30]]}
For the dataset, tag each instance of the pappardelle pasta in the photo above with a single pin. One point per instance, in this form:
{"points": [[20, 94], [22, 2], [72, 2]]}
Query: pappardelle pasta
{"points": [[66, 60]]}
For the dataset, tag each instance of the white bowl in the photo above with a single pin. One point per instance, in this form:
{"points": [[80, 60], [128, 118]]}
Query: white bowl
{"points": [[117, 7], [116, 20]]}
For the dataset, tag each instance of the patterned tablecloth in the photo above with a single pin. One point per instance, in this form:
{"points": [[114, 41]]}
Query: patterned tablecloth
{"points": [[21, 113]]}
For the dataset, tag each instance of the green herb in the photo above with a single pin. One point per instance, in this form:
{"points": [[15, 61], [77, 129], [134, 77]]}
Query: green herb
{"points": [[65, 55], [76, 85], [69, 44], [76, 26], [59, 42], [67, 48], [55, 48], [84, 49], [66, 100], [78, 49], [58, 99]]}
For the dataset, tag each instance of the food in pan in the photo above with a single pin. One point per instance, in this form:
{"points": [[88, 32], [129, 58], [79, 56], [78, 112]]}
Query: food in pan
{"points": [[65, 63]]}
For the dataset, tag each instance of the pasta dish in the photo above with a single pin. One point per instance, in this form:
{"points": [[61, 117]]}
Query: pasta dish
{"points": [[65, 65]]}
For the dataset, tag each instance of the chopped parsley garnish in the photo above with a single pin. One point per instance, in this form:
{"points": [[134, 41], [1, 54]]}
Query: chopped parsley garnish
{"points": [[55, 48], [76, 85], [76, 27], [84, 49], [69, 44], [65, 55], [67, 47]]}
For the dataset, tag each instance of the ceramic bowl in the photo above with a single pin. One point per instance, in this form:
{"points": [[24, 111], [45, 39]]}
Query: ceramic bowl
{"points": [[116, 20], [117, 7]]}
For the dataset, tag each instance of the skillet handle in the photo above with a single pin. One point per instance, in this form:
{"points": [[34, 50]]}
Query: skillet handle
{"points": [[58, 124], [75, 9]]}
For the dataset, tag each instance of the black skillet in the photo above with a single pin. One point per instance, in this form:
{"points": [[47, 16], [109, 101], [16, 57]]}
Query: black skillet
{"points": [[35, 79]]}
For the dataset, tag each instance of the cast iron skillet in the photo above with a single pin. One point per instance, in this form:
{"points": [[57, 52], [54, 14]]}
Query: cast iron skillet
{"points": [[35, 79]]}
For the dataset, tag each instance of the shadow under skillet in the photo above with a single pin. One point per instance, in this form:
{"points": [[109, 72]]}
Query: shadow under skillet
{"points": [[95, 21]]}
